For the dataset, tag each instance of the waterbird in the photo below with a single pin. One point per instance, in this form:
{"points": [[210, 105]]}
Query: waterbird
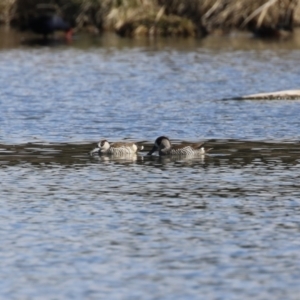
{"points": [[47, 21], [164, 147], [118, 148]]}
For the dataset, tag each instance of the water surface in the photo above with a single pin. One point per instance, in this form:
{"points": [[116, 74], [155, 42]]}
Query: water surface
{"points": [[223, 226]]}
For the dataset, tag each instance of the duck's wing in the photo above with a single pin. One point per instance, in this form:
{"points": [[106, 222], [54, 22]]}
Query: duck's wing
{"points": [[201, 145], [120, 144], [198, 145], [180, 146]]}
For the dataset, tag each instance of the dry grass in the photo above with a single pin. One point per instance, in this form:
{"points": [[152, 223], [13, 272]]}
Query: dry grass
{"points": [[191, 17], [242, 14], [137, 17], [7, 11], [163, 17]]}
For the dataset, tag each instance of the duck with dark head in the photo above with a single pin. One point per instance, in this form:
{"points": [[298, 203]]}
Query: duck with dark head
{"points": [[164, 147]]}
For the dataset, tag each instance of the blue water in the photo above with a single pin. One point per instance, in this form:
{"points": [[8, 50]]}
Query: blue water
{"points": [[223, 226], [69, 94]]}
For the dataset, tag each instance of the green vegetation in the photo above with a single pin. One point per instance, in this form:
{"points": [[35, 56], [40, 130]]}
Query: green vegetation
{"points": [[162, 17]]}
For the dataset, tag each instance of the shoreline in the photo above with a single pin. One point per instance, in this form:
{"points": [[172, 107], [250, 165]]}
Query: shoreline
{"points": [[133, 18]]}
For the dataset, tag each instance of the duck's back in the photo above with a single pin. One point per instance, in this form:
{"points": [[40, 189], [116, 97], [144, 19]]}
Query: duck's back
{"points": [[122, 148], [187, 150]]}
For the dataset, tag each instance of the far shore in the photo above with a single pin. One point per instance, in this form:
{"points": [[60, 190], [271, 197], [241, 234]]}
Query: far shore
{"points": [[195, 18]]}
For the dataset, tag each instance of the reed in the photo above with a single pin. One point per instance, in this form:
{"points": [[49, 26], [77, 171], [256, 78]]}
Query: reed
{"points": [[7, 11], [164, 17], [146, 17], [194, 17], [240, 14]]}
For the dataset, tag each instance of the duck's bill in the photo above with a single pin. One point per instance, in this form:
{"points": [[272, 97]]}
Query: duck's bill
{"points": [[152, 150], [95, 152]]}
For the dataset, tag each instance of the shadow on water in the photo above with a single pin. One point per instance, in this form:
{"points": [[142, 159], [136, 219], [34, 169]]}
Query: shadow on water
{"points": [[43, 42], [12, 38], [231, 152]]}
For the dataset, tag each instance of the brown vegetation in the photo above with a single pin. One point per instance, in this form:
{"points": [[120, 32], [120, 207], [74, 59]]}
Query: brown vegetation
{"points": [[7, 11], [164, 17]]}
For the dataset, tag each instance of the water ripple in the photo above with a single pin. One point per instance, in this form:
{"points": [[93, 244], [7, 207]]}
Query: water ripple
{"points": [[223, 226]]}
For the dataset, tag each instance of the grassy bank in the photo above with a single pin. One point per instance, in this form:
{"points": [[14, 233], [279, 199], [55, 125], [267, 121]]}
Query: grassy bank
{"points": [[163, 17]]}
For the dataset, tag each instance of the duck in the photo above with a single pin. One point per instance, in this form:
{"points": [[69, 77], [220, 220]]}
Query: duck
{"points": [[118, 148], [164, 147]]}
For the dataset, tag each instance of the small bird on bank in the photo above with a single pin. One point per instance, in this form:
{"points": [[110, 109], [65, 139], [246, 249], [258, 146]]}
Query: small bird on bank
{"points": [[47, 24], [164, 147], [118, 149], [46, 19]]}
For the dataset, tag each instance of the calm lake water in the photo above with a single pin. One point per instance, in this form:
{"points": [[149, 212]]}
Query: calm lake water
{"points": [[223, 226]]}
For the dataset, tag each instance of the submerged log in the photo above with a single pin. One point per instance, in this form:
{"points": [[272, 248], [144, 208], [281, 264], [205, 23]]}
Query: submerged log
{"points": [[288, 94]]}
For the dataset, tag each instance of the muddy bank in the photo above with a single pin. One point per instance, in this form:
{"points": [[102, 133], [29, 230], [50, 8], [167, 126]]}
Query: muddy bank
{"points": [[265, 18]]}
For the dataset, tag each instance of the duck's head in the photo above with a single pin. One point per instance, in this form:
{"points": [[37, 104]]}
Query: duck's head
{"points": [[103, 145], [160, 143]]}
